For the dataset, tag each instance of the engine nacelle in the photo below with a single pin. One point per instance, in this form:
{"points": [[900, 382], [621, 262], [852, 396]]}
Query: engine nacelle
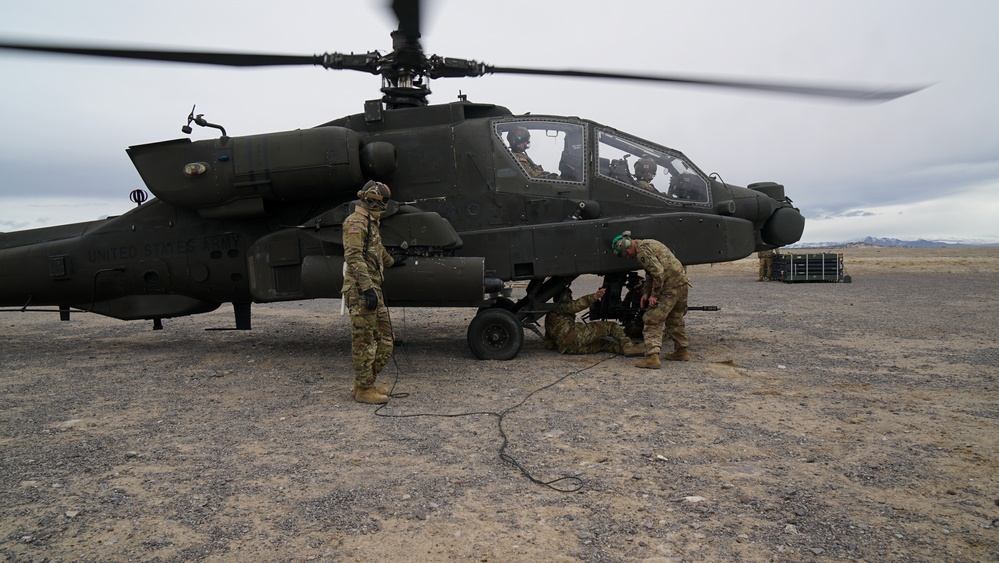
{"points": [[235, 176]]}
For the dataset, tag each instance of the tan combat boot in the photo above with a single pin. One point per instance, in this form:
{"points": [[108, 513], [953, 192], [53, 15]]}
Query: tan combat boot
{"points": [[383, 389], [680, 355], [380, 388], [651, 362], [369, 395], [632, 351], [377, 388]]}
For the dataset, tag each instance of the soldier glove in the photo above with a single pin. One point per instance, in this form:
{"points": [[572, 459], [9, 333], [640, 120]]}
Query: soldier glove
{"points": [[370, 299], [398, 259]]}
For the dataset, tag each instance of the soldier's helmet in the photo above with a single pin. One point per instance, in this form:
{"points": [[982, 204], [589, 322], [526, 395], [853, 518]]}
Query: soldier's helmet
{"points": [[620, 243], [645, 169], [518, 135], [565, 295], [375, 195]]}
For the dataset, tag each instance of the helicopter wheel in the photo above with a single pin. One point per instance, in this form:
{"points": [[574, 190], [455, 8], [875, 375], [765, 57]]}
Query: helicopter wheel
{"points": [[495, 334]]}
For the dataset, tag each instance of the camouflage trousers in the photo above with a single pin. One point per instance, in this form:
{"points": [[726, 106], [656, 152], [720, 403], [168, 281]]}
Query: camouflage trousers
{"points": [[766, 267], [668, 313], [371, 337], [591, 338]]}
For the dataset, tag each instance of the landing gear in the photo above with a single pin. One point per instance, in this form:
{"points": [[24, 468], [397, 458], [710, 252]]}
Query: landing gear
{"points": [[497, 331], [495, 334]]}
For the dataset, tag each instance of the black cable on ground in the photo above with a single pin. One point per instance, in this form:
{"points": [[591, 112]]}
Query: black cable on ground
{"points": [[574, 483]]}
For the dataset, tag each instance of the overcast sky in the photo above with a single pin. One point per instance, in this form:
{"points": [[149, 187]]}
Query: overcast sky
{"points": [[924, 166]]}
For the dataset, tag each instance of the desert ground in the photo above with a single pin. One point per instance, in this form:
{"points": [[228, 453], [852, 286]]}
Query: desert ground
{"points": [[816, 422]]}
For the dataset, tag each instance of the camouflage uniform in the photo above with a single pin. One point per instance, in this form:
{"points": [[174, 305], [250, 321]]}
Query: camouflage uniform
{"points": [[647, 185], [666, 280], [366, 259], [533, 170], [766, 264], [571, 337]]}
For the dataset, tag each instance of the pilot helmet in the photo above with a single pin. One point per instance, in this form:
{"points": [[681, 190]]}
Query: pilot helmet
{"points": [[375, 195], [620, 243], [645, 168], [518, 135]]}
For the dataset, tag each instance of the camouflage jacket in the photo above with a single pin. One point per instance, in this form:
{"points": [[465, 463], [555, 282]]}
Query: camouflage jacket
{"points": [[663, 270], [533, 170], [561, 321], [363, 253], [647, 185]]}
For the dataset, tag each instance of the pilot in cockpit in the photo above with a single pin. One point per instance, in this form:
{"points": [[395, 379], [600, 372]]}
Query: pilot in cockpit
{"points": [[645, 171], [519, 139]]}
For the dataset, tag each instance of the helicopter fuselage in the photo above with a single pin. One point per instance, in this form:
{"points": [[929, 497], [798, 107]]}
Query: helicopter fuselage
{"points": [[257, 219]]}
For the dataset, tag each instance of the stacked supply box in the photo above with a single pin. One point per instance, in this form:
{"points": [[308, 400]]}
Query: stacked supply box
{"points": [[823, 267]]}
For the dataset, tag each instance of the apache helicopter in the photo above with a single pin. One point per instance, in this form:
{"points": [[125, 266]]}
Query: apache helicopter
{"points": [[257, 218]]}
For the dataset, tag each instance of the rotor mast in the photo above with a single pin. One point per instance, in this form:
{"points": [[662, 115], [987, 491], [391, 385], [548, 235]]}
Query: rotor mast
{"points": [[403, 76]]}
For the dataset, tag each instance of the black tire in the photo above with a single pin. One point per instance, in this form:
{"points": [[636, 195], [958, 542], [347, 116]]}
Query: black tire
{"points": [[495, 334]]}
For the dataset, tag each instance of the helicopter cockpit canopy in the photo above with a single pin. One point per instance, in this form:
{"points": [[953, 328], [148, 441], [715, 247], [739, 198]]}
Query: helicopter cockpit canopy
{"points": [[676, 178], [545, 149], [551, 151]]}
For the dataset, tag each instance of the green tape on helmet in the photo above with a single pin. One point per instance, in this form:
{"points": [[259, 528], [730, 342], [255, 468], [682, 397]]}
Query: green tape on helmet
{"points": [[620, 243]]}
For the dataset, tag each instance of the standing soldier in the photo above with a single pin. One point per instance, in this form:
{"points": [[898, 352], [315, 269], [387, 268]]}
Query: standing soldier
{"points": [[364, 261], [564, 333], [766, 264], [665, 292]]}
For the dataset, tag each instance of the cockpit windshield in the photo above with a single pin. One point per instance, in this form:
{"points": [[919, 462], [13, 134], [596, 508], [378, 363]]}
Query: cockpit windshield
{"points": [[656, 169], [545, 149]]}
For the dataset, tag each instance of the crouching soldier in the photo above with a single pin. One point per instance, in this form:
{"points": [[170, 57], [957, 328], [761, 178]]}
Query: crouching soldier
{"points": [[568, 336]]}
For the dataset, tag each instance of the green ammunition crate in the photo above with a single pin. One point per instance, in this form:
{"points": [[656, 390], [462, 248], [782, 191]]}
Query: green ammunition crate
{"points": [[791, 267]]}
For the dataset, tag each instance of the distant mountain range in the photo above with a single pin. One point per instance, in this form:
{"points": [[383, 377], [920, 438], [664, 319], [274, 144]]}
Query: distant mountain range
{"points": [[875, 241]]}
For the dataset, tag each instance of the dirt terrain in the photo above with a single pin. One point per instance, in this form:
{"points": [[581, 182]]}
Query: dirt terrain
{"points": [[817, 422]]}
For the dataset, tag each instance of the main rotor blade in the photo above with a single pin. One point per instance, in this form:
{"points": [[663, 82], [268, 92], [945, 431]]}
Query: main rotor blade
{"points": [[202, 57], [408, 13], [858, 94]]}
